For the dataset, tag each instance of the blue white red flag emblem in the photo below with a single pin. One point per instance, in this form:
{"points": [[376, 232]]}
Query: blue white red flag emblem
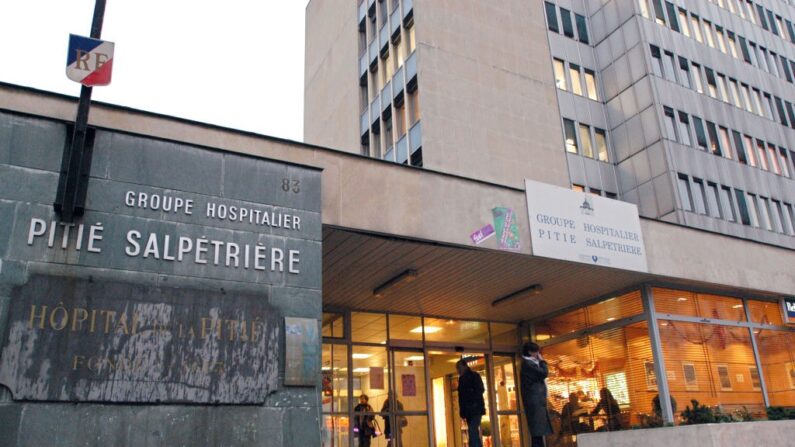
{"points": [[89, 61]]}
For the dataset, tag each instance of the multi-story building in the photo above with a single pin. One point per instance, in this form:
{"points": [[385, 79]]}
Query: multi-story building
{"points": [[684, 108]]}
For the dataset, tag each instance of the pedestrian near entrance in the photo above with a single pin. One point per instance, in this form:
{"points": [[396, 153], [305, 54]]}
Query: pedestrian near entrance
{"points": [[471, 406], [364, 422], [534, 393]]}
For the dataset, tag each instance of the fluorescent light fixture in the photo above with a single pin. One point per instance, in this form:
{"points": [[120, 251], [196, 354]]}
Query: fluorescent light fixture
{"points": [[681, 298], [737, 306], [326, 368], [611, 318], [405, 277], [428, 329], [360, 355], [414, 358], [535, 289], [542, 337], [361, 370]]}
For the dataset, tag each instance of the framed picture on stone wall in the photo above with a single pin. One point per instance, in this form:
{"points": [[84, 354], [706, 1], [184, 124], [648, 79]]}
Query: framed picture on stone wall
{"points": [[302, 355]]}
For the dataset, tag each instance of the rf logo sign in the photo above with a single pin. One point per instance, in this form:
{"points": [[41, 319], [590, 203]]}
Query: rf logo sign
{"points": [[89, 61], [789, 309]]}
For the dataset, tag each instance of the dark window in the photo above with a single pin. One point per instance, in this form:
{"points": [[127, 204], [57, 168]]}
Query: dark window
{"points": [[782, 117], [582, 28], [685, 194], [791, 112], [570, 135], [713, 137], [552, 17], [744, 48], [791, 31], [738, 145], [674, 23], [565, 18], [761, 12], [611, 195], [773, 26], [785, 67], [416, 158], [745, 218], [658, 11], [701, 136]]}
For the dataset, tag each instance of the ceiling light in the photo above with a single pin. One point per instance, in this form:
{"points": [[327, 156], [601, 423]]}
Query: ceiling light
{"points": [[326, 368], [611, 318], [542, 337], [737, 306], [428, 329], [361, 370], [359, 355], [535, 289], [405, 277], [681, 298], [414, 358]]}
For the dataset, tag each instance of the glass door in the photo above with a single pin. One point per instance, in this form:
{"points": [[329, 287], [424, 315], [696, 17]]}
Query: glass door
{"points": [[405, 414], [506, 395], [448, 428]]}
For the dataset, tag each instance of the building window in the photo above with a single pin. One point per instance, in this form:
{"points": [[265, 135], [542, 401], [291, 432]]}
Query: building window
{"points": [[570, 135], [712, 87], [578, 188], [697, 78], [714, 146], [764, 213], [684, 129], [560, 73], [565, 18], [684, 72], [784, 162], [683, 22], [751, 152], [752, 210], [772, 156], [670, 123], [590, 84], [738, 146], [656, 63], [713, 201], [582, 29], [725, 142], [701, 136], [745, 217], [668, 66], [789, 216], [760, 152], [659, 14], [585, 140], [727, 204], [700, 196], [782, 224], [685, 195], [695, 25], [552, 17], [574, 75], [601, 144], [672, 16]]}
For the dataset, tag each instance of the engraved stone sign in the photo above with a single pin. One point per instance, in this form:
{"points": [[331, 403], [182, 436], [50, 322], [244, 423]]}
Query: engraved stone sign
{"points": [[78, 340]]}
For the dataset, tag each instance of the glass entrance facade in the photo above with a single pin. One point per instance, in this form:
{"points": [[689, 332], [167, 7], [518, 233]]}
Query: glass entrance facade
{"points": [[405, 366], [611, 360]]}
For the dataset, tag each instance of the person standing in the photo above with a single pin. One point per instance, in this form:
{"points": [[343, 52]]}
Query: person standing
{"points": [[534, 393], [471, 406], [393, 439], [364, 423]]}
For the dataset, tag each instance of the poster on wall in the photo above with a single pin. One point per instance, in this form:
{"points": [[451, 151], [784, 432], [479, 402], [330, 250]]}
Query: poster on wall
{"points": [[506, 228], [691, 381], [302, 351], [723, 376], [651, 379], [409, 385], [376, 378]]}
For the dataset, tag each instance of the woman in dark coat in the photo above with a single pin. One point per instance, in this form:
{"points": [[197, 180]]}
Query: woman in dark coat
{"points": [[534, 393], [609, 405]]}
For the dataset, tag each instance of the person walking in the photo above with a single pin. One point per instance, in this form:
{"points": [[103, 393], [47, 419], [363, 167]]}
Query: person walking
{"points": [[534, 393], [364, 423], [471, 406], [394, 438]]}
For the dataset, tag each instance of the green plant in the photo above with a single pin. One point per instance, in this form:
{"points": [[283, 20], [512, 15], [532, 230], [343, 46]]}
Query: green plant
{"points": [[742, 415], [699, 414], [780, 413]]}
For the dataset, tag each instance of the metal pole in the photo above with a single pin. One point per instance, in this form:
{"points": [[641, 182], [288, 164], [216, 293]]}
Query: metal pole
{"points": [[659, 363], [757, 358], [76, 163]]}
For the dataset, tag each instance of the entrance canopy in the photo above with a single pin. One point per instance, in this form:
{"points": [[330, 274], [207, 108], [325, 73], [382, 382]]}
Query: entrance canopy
{"points": [[455, 282]]}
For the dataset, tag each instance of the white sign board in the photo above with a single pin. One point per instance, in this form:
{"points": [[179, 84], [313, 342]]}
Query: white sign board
{"points": [[581, 227]]}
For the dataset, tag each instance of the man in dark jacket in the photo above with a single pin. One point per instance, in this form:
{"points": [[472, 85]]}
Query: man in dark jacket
{"points": [[534, 393], [471, 406]]}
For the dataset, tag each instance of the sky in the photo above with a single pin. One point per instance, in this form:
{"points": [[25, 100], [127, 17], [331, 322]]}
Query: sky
{"points": [[234, 63]]}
